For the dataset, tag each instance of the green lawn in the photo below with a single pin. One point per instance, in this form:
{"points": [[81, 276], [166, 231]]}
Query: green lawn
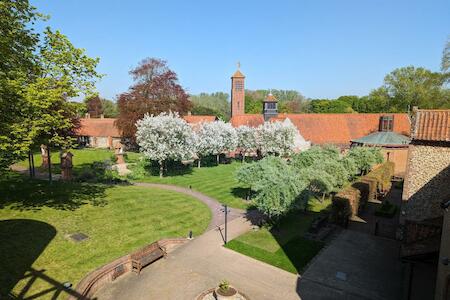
{"points": [[82, 157], [283, 247], [216, 181], [36, 219]]}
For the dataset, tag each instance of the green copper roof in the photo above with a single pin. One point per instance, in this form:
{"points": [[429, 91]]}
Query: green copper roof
{"points": [[384, 138]]}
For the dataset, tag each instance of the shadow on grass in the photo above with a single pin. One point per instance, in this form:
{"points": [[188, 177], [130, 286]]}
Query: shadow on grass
{"points": [[20, 193], [23, 241]]}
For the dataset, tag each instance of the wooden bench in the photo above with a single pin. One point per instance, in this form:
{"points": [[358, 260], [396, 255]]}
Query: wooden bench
{"points": [[146, 256]]}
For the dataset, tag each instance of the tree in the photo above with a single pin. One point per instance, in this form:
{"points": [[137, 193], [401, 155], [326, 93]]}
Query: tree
{"points": [[211, 104], [38, 75], [223, 137], [277, 186], [365, 158], [445, 63], [329, 106], [247, 140], [411, 86], [18, 44], [206, 141], [109, 108], [94, 106], [163, 137], [155, 90], [276, 138]]}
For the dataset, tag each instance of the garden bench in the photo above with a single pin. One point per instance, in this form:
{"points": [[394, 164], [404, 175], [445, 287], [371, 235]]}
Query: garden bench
{"points": [[146, 256]]}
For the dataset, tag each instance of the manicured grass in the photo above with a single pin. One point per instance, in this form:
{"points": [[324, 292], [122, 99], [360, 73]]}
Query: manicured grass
{"points": [[216, 181], [283, 247], [36, 219]]}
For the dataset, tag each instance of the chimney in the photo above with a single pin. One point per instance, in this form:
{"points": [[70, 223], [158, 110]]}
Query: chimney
{"points": [[270, 107], [87, 116], [189, 113], [102, 116]]}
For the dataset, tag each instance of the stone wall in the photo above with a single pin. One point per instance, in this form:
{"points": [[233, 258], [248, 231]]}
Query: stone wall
{"points": [[443, 278], [427, 181]]}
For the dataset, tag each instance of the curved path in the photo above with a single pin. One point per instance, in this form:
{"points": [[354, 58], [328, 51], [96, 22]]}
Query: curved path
{"points": [[216, 208]]}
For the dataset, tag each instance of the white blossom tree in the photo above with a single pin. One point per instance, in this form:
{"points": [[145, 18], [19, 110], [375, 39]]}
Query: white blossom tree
{"points": [[276, 138], [205, 141], [247, 140], [223, 137], [163, 137]]}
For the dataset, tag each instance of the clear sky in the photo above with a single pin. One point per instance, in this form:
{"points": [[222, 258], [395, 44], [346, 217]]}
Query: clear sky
{"points": [[323, 49]]}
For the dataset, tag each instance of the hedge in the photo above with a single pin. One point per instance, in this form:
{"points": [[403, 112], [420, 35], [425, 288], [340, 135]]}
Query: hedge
{"points": [[350, 200], [345, 205], [378, 180]]}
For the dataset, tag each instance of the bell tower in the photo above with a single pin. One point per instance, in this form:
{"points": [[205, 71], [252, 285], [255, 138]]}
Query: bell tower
{"points": [[237, 93]]}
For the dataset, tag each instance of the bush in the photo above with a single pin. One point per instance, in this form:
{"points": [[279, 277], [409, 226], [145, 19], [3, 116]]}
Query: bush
{"points": [[387, 210], [345, 205], [378, 180]]}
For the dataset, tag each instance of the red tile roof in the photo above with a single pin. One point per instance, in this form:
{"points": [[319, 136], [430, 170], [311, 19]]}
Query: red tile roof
{"points": [[238, 74], [198, 118], [340, 129], [432, 125], [252, 120], [98, 127]]}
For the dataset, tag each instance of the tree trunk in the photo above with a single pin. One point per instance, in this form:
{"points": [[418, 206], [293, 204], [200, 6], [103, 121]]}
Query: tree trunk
{"points": [[49, 165], [29, 164], [243, 157], [161, 169], [218, 158], [323, 197], [199, 162], [33, 173]]}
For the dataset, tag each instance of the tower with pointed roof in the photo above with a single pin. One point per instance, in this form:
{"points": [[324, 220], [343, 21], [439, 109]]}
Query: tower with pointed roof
{"points": [[237, 93]]}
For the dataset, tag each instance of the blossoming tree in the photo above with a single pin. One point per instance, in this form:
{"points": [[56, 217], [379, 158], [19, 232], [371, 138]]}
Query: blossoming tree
{"points": [[247, 140], [163, 137]]}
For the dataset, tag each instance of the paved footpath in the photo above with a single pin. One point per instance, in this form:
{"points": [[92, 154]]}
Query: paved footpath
{"points": [[201, 264]]}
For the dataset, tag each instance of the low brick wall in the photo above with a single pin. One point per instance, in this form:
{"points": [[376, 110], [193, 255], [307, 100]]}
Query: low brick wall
{"points": [[93, 281]]}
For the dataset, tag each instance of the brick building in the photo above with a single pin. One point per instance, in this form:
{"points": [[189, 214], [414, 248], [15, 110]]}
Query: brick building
{"points": [[426, 191], [103, 132], [319, 129]]}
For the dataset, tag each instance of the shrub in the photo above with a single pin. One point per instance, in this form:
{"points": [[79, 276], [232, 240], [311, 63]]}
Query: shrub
{"points": [[387, 210], [345, 205]]}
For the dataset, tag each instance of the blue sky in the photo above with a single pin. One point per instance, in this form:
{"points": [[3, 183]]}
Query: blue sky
{"points": [[323, 49]]}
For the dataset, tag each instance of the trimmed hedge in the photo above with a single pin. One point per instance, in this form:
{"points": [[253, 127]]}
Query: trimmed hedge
{"points": [[378, 180], [345, 205], [350, 200]]}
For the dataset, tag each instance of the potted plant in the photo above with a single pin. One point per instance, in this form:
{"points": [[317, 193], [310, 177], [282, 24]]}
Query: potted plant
{"points": [[225, 292]]}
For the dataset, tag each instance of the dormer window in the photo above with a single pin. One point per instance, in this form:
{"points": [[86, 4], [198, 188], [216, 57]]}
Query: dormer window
{"points": [[387, 123]]}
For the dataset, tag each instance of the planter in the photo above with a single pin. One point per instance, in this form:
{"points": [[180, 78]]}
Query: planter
{"points": [[229, 294]]}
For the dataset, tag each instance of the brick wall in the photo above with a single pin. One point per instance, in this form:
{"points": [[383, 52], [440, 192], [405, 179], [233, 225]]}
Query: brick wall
{"points": [[399, 157], [427, 181]]}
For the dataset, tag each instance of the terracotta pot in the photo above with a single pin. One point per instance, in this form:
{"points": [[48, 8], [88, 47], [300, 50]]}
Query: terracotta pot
{"points": [[230, 295]]}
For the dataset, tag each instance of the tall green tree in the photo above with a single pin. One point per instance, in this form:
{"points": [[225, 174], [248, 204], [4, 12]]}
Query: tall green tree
{"points": [[38, 73], [411, 86], [18, 43], [211, 104]]}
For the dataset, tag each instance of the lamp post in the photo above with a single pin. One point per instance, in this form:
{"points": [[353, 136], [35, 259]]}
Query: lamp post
{"points": [[225, 210]]}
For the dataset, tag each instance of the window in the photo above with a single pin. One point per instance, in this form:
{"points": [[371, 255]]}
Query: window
{"points": [[387, 123], [239, 85], [271, 105]]}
